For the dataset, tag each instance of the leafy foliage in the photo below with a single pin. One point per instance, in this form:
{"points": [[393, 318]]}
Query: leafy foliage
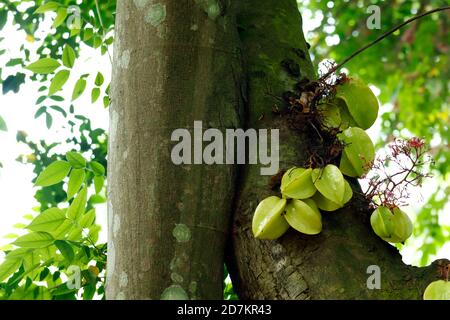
{"points": [[63, 234]]}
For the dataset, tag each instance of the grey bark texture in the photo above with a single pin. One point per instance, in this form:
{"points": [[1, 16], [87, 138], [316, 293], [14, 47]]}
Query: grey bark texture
{"points": [[174, 62]]}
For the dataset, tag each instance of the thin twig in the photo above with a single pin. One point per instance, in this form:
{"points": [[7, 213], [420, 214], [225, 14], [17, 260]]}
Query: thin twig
{"points": [[103, 28], [384, 35]]}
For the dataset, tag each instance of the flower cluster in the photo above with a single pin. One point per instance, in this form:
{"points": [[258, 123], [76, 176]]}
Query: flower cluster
{"points": [[392, 176]]}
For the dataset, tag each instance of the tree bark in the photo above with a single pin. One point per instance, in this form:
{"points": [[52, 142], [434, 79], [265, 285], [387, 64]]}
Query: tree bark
{"points": [[179, 61], [174, 62], [333, 264]]}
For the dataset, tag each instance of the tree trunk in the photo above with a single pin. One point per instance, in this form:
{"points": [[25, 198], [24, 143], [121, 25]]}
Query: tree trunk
{"points": [[179, 61], [333, 264], [174, 62]]}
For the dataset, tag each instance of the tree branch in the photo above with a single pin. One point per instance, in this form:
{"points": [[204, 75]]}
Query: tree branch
{"points": [[384, 35]]}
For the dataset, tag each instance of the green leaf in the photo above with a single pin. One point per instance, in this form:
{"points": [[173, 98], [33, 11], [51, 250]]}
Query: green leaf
{"points": [[66, 249], [87, 219], [99, 79], [3, 20], [89, 292], [97, 42], [88, 34], [31, 264], [58, 81], [8, 267], [18, 253], [98, 168], [48, 220], [78, 89], [63, 230], [40, 100], [49, 6], [93, 232], [40, 111], [68, 56], [61, 15], [98, 183], [34, 240], [43, 66], [105, 101], [63, 290], [53, 174], [76, 179], [57, 98], [13, 82], [44, 273], [74, 31], [76, 160], [60, 110], [95, 94], [75, 234], [3, 126], [48, 120], [78, 205], [14, 62], [96, 199]]}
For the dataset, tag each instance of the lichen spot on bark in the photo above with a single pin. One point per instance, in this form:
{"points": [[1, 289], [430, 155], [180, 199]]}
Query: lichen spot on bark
{"points": [[123, 280], [211, 7], [116, 225], [110, 266], [140, 4], [182, 233], [125, 60], [174, 292], [113, 125], [156, 14], [194, 27], [120, 296]]}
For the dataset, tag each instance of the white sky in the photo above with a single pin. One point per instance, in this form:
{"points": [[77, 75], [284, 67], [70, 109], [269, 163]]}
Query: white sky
{"points": [[16, 190]]}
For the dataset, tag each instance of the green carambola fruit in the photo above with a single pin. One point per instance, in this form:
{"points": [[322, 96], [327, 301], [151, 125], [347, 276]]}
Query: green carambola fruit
{"points": [[331, 115], [360, 101], [437, 290], [268, 221], [328, 205], [358, 152], [382, 222], [391, 225], [403, 227], [297, 183], [330, 182], [304, 216]]}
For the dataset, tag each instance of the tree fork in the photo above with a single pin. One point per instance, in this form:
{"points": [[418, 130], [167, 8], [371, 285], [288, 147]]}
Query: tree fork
{"points": [[333, 264]]}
